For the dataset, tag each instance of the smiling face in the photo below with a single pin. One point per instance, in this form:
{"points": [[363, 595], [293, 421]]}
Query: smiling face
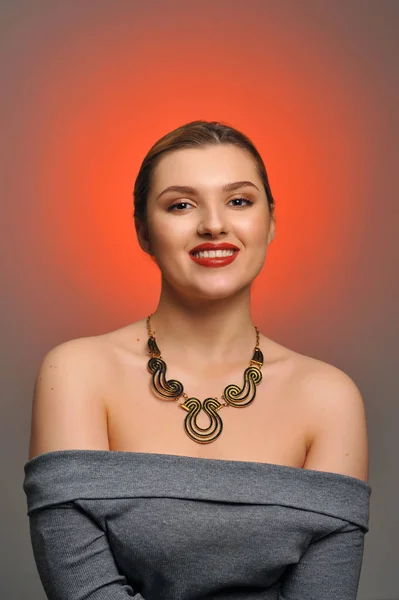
{"points": [[208, 209]]}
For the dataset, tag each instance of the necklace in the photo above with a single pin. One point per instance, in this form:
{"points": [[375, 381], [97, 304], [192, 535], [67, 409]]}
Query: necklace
{"points": [[172, 389]]}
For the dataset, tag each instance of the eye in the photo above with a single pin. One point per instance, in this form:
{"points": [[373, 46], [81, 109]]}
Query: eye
{"points": [[241, 199], [174, 207], [171, 208]]}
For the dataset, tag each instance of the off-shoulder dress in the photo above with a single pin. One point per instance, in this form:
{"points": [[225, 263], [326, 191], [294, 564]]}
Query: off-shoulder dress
{"points": [[112, 525]]}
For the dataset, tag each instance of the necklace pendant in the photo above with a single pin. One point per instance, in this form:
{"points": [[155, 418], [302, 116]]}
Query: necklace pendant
{"points": [[202, 435], [168, 389], [241, 397]]}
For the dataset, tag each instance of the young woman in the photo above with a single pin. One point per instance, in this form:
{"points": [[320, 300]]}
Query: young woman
{"points": [[143, 480]]}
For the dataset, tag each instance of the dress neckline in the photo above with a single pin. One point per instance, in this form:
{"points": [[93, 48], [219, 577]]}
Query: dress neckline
{"points": [[200, 460], [79, 475]]}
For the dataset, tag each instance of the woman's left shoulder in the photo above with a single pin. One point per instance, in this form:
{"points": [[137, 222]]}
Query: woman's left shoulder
{"points": [[333, 408], [336, 409], [312, 374], [317, 376]]}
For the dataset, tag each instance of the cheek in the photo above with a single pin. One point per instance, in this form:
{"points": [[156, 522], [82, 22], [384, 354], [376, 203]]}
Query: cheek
{"points": [[168, 238], [253, 232]]}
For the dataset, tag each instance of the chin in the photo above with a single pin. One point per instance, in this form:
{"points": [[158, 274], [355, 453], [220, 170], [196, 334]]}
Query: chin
{"points": [[214, 293]]}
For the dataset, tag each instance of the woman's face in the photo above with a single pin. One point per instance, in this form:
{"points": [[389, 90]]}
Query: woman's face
{"points": [[180, 220]]}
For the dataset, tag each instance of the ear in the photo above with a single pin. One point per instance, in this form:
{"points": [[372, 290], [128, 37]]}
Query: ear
{"points": [[142, 235], [272, 232]]}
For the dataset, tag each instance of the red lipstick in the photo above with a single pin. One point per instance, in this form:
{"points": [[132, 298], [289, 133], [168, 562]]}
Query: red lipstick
{"points": [[216, 261]]}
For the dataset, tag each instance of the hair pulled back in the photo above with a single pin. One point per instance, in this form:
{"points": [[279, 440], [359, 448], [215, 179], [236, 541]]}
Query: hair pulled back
{"points": [[193, 135]]}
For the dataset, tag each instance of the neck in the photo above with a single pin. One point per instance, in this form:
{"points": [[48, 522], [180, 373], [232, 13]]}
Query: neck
{"points": [[204, 332]]}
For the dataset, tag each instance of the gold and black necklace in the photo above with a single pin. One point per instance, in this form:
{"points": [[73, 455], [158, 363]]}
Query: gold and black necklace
{"points": [[232, 395]]}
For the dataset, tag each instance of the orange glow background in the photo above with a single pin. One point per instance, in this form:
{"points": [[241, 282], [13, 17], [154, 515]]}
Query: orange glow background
{"points": [[106, 89]]}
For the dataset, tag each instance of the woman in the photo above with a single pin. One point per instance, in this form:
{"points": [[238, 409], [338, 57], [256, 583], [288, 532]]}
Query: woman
{"points": [[129, 497]]}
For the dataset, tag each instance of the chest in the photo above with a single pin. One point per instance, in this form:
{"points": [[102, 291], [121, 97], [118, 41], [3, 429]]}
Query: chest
{"points": [[272, 428], [180, 545]]}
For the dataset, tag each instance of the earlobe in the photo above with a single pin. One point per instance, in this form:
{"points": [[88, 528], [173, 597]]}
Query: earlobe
{"points": [[145, 245], [142, 236], [273, 230]]}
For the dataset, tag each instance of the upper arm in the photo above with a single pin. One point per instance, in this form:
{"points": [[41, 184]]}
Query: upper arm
{"points": [[329, 569], [67, 409], [338, 417]]}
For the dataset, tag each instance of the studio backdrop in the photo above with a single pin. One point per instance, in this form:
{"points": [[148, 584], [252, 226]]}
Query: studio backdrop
{"points": [[87, 88]]}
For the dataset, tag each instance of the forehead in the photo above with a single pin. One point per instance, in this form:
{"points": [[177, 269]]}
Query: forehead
{"points": [[208, 166]]}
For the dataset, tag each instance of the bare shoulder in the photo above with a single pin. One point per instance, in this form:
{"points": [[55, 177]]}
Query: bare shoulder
{"points": [[336, 412], [131, 338], [68, 411], [332, 409]]}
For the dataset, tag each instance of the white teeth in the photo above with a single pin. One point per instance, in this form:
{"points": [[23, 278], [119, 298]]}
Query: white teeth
{"points": [[213, 253]]}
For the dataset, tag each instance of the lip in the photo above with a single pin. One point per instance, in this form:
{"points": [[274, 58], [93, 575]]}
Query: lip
{"points": [[216, 261], [218, 246]]}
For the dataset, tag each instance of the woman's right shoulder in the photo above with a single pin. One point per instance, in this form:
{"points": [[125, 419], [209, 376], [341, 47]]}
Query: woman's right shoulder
{"points": [[94, 350], [76, 356], [69, 406]]}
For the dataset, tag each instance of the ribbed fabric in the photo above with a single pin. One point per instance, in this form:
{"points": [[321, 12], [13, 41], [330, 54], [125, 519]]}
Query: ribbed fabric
{"points": [[109, 525]]}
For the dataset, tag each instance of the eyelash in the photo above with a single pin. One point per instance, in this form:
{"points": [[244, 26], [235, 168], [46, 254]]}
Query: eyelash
{"points": [[170, 209]]}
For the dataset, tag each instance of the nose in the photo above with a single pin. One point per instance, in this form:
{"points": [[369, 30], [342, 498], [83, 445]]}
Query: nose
{"points": [[213, 221]]}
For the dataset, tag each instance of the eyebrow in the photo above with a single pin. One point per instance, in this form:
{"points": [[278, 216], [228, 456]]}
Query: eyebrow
{"points": [[186, 189]]}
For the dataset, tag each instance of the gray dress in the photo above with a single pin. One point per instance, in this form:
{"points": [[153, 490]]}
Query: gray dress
{"points": [[108, 525]]}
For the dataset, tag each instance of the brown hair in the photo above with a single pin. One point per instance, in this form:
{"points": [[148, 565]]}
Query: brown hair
{"points": [[190, 135]]}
